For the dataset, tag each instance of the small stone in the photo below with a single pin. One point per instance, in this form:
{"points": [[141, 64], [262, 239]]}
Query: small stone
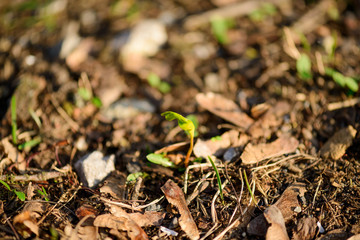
{"points": [[231, 154], [94, 168]]}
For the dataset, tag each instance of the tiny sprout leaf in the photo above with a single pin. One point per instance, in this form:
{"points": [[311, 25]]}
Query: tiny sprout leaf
{"points": [[5, 184], [352, 84], [303, 67], [20, 195], [133, 176], [160, 160], [339, 79], [184, 123]]}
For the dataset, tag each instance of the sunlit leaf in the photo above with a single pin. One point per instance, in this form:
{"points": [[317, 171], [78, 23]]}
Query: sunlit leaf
{"points": [[352, 84], [160, 160], [5, 184], [20, 195], [184, 123]]}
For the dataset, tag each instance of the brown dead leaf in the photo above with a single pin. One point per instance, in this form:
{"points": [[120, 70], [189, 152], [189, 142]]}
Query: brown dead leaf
{"points": [[86, 210], [87, 232], [305, 229], [148, 218], [224, 108], [120, 223], [283, 145], [218, 146], [355, 237], [13, 154], [336, 146], [25, 224], [277, 229], [175, 196], [273, 118], [115, 185], [260, 109], [286, 204]]}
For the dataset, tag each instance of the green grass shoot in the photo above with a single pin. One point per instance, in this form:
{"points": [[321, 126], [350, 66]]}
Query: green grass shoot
{"points": [[30, 144], [303, 67], [218, 179], [185, 124], [248, 187], [13, 119], [43, 193], [19, 194], [342, 80]]}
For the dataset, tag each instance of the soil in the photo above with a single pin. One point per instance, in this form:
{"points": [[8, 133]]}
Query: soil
{"points": [[78, 90]]}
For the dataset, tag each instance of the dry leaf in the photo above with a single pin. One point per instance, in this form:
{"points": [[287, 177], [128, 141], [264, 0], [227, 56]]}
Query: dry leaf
{"points": [[286, 204], [13, 154], [175, 196], [336, 146], [120, 223], [273, 118], [277, 229], [87, 232], [355, 237], [283, 145], [305, 229], [115, 185], [224, 108], [86, 210], [25, 224]]}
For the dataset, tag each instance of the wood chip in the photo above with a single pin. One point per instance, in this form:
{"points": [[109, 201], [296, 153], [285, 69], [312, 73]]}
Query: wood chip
{"points": [[336, 146], [305, 229], [175, 196], [283, 145], [224, 108]]}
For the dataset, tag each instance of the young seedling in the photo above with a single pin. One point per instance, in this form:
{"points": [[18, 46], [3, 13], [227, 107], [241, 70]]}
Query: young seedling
{"points": [[19, 194], [218, 179], [303, 67], [185, 124]]}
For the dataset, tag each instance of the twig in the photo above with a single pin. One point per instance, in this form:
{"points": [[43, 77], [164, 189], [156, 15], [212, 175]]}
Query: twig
{"points": [[316, 192], [187, 173], [229, 11], [343, 104], [43, 176], [120, 204]]}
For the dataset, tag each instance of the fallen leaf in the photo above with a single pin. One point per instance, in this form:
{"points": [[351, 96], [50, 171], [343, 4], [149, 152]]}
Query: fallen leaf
{"points": [[272, 119], [115, 185], [355, 237], [305, 229], [277, 229], [175, 196], [25, 224], [120, 223], [336, 146], [224, 108], [283, 145], [286, 204], [13, 154]]}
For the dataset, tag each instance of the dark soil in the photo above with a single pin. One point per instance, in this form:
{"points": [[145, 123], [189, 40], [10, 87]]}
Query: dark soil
{"points": [[255, 65]]}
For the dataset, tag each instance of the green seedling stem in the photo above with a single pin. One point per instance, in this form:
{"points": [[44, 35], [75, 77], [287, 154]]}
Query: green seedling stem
{"points": [[218, 179], [248, 186], [185, 124]]}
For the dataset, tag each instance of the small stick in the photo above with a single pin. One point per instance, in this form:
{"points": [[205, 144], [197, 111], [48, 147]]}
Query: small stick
{"points": [[343, 104]]}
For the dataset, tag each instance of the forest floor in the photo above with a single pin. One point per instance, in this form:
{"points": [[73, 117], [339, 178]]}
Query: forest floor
{"points": [[270, 86]]}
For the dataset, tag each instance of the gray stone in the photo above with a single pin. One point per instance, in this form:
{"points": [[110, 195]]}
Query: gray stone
{"points": [[94, 168], [231, 154]]}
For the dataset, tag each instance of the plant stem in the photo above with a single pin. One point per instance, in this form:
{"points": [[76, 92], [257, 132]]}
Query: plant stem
{"points": [[13, 119], [248, 186], [189, 152]]}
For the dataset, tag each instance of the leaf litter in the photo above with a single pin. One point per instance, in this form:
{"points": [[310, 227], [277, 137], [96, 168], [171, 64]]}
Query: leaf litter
{"points": [[76, 81]]}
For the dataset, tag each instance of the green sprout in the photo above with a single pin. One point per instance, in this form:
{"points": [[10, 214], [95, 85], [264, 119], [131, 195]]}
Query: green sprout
{"points": [[303, 67], [87, 95], [19, 194], [267, 9], [13, 119], [248, 187], [155, 81], [30, 144], [185, 124], [342, 80], [218, 179], [43, 193], [220, 27]]}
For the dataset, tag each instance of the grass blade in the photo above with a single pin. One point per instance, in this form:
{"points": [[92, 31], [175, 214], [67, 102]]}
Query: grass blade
{"points": [[218, 179]]}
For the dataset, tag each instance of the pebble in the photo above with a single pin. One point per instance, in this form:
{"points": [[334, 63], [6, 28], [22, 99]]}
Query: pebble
{"points": [[231, 154], [127, 108], [93, 168]]}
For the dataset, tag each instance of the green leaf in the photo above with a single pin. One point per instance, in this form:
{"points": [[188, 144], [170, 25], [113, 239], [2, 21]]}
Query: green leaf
{"points": [[30, 144], [84, 94], [160, 160], [216, 138], [351, 84], [339, 79], [303, 67], [184, 123], [164, 87], [97, 102], [154, 80], [219, 27], [133, 176], [20, 195], [5, 184]]}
